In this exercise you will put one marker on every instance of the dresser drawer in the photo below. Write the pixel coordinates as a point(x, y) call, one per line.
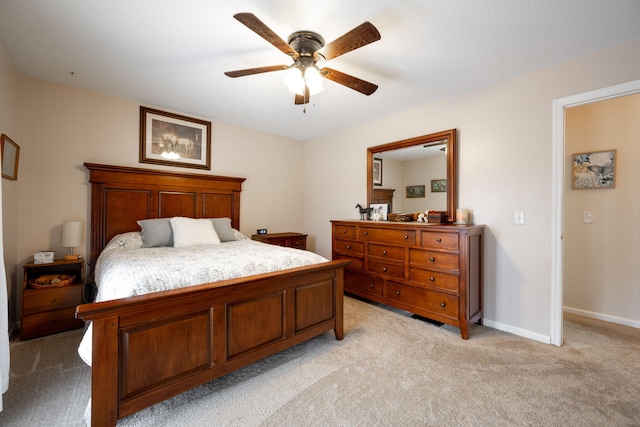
point(387, 269)
point(434, 279)
point(39, 300)
point(397, 237)
point(422, 300)
point(49, 322)
point(386, 252)
point(356, 263)
point(345, 232)
point(432, 259)
point(359, 282)
point(439, 240)
point(349, 247)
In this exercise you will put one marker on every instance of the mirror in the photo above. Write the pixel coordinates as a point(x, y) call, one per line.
point(415, 175)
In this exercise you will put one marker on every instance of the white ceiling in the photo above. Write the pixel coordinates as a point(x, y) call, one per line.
point(171, 54)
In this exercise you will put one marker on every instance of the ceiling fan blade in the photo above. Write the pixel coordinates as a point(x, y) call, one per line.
point(259, 27)
point(349, 81)
point(249, 71)
point(360, 36)
point(302, 99)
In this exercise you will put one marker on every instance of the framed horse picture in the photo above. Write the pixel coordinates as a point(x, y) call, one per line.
point(174, 140)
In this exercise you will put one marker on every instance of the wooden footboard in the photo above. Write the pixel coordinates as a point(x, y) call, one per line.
point(151, 347)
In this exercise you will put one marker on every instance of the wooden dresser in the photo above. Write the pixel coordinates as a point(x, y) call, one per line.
point(432, 270)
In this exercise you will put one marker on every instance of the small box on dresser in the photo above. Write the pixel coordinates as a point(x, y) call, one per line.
point(432, 270)
point(50, 309)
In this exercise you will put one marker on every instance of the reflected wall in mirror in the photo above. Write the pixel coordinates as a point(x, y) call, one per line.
point(414, 162)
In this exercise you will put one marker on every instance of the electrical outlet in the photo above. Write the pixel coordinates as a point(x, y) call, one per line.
point(518, 217)
point(587, 217)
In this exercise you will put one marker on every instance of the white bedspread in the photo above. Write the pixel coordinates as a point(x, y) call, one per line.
point(125, 269)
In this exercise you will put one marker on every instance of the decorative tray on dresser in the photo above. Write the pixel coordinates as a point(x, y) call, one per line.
point(432, 270)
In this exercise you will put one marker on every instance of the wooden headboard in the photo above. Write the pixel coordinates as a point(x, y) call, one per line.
point(120, 196)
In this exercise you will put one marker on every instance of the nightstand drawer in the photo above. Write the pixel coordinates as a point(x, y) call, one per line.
point(49, 322)
point(39, 300)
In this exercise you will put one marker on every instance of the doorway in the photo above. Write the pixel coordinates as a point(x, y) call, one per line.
point(558, 174)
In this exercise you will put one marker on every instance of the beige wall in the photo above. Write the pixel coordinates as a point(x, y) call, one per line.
point(10, 125)
point(601, 268)
point(505, 146)
point(62, 128)
point(421, 172)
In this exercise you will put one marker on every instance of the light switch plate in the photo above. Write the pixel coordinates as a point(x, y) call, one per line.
point(587, 217)
point(518, 217)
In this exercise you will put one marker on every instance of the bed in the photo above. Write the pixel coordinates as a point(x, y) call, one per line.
point(149, 347)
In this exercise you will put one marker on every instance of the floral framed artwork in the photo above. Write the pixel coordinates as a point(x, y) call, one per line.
point(438, 185)
point(174, 140)
point(10, 157)
point(377, 171)
point(415, 191)
point(595, 169)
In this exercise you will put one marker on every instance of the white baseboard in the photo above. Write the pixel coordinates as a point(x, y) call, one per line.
point(601, 316)
point(517, 331)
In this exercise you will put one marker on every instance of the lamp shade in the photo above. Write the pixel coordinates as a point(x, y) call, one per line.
point(71, 234)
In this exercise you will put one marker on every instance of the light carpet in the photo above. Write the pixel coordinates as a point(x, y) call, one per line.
point(390, 370)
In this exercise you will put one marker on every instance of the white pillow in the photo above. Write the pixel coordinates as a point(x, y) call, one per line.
point(193, 232)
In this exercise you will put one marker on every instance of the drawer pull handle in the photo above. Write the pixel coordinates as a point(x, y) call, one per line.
point(397, 292)
point(438, 240)
point(366, 233)
point(344, 231)
point(443, 305)
point(384, 252)
point(53, 321)
point(433, 279)
point(432, 259)
point(406, 237)
point(384, 269)
point(371, 285)
point(348, 246)
point(53, 301)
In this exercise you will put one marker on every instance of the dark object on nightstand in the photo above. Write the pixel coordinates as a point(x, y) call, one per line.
point(289, 240)
point(50, 308)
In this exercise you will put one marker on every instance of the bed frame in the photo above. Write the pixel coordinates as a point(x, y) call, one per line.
point(151, 347)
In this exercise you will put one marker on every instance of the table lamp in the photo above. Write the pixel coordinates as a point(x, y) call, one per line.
point(71, 237)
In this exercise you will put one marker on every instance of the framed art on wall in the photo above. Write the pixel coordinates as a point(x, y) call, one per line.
point(596, 169)
point(438, 185)
point(10, 157)
point(415, 191)
point(174, 140)
point(377, 171)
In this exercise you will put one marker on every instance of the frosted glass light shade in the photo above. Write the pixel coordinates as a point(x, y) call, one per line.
point(71, 234)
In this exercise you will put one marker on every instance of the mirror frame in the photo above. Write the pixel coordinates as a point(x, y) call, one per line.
point(452, 162)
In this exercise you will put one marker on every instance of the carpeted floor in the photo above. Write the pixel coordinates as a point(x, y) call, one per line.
point(389, 370)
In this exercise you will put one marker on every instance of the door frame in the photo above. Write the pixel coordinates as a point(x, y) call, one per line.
point(557, 192)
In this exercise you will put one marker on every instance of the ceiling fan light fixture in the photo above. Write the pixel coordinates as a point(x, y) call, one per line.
point(295, 78)
point(313, 79)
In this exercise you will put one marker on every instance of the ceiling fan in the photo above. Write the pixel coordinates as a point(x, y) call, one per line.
point(307, 49)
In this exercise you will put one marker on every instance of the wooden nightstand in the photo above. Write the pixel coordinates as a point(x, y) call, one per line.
point(290, 240)
point(46, 310)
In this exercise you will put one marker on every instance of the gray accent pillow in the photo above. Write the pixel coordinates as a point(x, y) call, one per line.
point(156, 233)
point(223, 229)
